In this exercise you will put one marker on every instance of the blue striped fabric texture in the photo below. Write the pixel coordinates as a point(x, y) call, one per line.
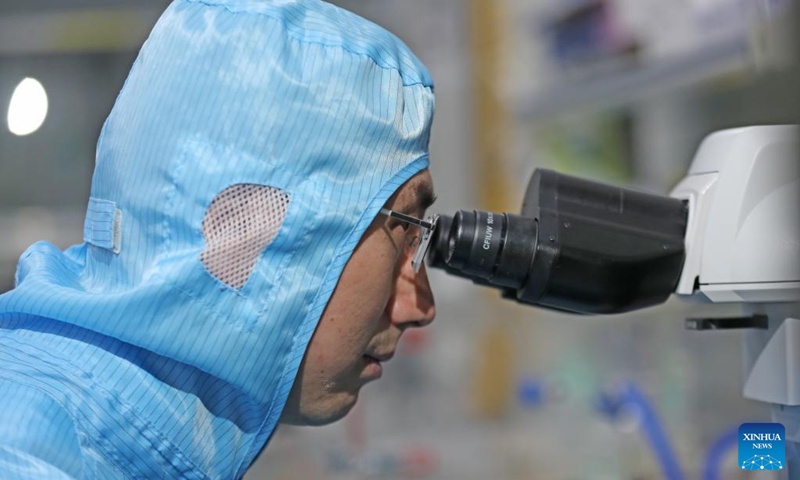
point(138, 363)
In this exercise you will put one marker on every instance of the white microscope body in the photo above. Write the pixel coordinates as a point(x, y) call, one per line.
point(743, 245)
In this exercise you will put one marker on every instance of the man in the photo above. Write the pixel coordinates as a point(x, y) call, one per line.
point(243, 261)
point(379, 295)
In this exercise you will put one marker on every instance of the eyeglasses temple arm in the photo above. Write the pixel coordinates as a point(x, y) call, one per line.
point(406, 218)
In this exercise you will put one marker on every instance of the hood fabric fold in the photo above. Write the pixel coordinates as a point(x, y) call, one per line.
point(146, 352)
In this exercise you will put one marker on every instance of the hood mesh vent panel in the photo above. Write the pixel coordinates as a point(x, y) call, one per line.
point(241, 221)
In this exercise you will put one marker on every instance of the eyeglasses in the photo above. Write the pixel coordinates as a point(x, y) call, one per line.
point(419, 244)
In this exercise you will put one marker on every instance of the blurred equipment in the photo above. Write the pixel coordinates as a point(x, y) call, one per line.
point(729, 232)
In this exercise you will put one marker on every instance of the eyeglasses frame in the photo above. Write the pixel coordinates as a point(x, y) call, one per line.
point(429, 225)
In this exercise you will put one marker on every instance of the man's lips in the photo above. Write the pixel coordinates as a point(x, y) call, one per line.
point(381, 357)
point(373, 368)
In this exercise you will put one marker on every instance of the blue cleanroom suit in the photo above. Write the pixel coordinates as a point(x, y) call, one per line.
point(149, 352)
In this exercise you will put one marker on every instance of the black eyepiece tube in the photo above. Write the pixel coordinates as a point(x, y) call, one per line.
point(493, 249)
point(579, 246)
point(440, 251)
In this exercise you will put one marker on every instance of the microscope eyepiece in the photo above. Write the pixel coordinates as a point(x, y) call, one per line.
point(579, 246)
point(493, 247)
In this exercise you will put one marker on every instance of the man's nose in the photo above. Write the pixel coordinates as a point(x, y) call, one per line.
point(412, 304)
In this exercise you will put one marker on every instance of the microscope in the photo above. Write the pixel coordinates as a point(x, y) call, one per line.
point(728, 232)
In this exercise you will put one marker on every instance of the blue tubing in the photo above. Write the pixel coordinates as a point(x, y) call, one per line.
point(716, 453)
point(631, 396)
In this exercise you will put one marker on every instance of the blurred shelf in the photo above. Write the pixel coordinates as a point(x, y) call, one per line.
point(629, 86)
point(40, 6)
point(120, 27)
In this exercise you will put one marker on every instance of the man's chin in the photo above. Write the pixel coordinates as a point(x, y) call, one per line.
point(321, 414)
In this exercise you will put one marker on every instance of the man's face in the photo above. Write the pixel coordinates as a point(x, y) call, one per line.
point(377, 298)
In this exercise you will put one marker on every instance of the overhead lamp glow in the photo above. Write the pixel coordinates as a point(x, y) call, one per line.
point(28, 107)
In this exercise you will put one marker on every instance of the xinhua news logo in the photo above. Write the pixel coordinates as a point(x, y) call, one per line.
point(762, 446)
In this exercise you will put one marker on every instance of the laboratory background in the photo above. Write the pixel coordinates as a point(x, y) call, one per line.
point(620, 91)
